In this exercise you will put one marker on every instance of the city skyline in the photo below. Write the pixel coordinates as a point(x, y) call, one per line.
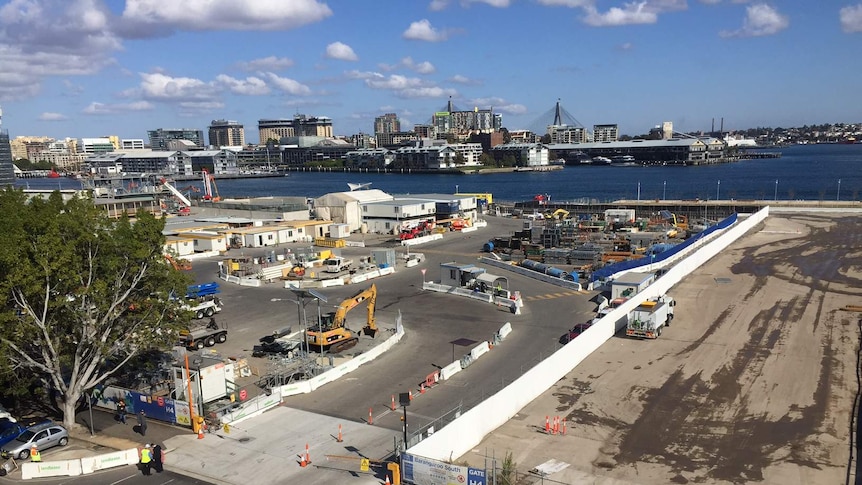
point(86, 68)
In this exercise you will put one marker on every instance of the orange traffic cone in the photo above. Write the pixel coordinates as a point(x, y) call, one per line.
point(306, 459)
point(339, 434)
point(370, 417)
point(547, 425)
point(387, 480)
point(393, 402)
point(201, 432)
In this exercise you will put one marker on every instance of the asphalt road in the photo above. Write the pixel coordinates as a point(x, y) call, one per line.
point(431, 320)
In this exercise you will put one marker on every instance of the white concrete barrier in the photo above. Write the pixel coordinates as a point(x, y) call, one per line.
point(67, 468)
point(450, 370)
point(467, 431)
point(479, 350)
point(91, 464)
point(411, 263)
point(421, 240)
point(469, 229)
point(504, 331)
point(331, 282)
point(253, 407)
point(342, 369)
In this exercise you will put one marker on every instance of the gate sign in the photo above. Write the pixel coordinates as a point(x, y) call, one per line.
point(425, 471)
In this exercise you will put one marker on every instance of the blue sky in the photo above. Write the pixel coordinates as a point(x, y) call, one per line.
point(87, 68)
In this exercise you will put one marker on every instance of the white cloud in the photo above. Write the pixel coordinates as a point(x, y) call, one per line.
point(288, 85)
point(851, 18)
point(458, 78)
point(250, 86)
point(157, 86)
point(425, 92)
point(760, 20)
point(631, 13)
point(626, 46)
point(424, 67)
point(44, 38)
point(499, 105)
point(270, 63)
point(48, 116)
point(565, 3)
point(493, 3)
point(96, 108)
point(422, 30)
point(401, 86)
point(341, 51)
point(145, 18)
point(437, 5)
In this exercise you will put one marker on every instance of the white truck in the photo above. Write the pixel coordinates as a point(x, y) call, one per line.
point(648, 319)
point(336, 264)
point(203, 308)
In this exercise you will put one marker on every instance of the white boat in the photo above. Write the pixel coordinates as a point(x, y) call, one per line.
point(624, 161)
point(601, 161)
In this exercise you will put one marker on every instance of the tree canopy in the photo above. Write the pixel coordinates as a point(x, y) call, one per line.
point(81, 293)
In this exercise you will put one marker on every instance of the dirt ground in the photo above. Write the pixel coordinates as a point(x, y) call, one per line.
point(754, 382)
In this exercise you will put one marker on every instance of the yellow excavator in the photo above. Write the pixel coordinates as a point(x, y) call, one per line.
point(331, 332)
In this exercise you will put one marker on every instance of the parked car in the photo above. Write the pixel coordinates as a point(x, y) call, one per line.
point(574, 332)
point(9, 430)
point(45, 435)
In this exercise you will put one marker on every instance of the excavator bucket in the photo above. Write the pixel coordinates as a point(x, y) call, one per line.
point(370, 331)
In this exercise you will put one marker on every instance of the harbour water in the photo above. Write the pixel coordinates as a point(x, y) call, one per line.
point(804, 172)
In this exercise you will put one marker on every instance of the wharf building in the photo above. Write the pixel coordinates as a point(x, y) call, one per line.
point(160, 139)
point(166, 163)
point(299, 125)
point(674, 151)
point(226, 133)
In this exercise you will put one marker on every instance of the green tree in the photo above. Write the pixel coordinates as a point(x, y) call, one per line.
point(83, 293)
point(459, 159)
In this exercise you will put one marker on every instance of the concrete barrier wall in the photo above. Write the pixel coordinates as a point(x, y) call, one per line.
point(531, 274)
point(343, 369)
point(82, 466)
point(469, 429)
point(253, 407)
point(421, 240)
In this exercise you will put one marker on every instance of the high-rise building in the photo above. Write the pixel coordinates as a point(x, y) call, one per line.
point(567, 134)
point(7, 170)
point(160, 137)
point(226, 133)
point(132, 144)
point(300, 125)
point(387, 123)
point(96, 145)
point(603, 133)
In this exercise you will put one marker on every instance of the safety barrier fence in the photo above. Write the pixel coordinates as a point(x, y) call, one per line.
point(303, 387)
point(571, 285)
point(514, 305)
point(470, 428)
point(80, 466)
point(341, 280)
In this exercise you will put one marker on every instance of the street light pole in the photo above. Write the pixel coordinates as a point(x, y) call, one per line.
point(639, 191)
point(838, 197)
point(776, 189)
point(664, 190)
point(717, 190)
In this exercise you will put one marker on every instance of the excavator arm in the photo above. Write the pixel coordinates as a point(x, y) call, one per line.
point(368, 295)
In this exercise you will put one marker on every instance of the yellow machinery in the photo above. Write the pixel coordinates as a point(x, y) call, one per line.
point(179, 265)
point(679, 221)
point(332, 334)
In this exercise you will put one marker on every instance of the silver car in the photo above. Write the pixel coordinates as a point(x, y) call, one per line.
point(43, 435)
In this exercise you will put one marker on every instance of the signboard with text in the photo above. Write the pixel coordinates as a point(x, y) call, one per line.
point(419, 470)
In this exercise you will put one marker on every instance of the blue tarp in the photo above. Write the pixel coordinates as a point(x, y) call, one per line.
point(613, 269)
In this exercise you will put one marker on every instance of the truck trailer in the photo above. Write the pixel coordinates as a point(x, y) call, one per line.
point(197, 337)
point(648, 319)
